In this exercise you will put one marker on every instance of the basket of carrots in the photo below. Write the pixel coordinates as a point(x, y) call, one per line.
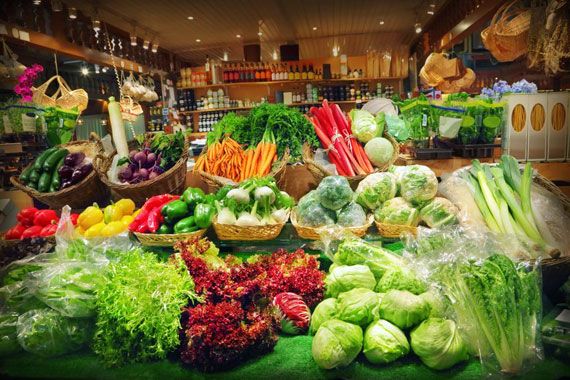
point(226, 162)
point(351, 159)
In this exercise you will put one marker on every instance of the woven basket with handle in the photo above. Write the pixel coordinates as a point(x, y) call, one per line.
point(216, 182)
point(172, 181)
point(312, 233)
point(239, 233)
point(319, 172)
point(63, 97)
point(507, 35)
point(166, 240)
point(78, 196)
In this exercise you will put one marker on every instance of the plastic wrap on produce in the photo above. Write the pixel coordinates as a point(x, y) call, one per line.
point(321, 157)
point(552, 221)
point(495, 295)
point(457, 191)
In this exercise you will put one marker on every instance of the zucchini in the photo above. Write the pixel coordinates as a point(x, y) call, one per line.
point(25, 176)
point(44, 183)
point(39, 162)
point(53, 159)
point(34, 176)
point(55, 180)
point(32, 185)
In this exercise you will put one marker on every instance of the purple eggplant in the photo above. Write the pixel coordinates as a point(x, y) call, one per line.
point(74, 159)
point(65, 172)
point(81, 172)
point(66, 184)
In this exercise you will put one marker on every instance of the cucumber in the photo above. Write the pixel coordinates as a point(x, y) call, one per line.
point(25, 176)
point(55, 180)
point(39, 162)
point(34, 176)
point(53, 159)
point(44, 183)
point(32, 185)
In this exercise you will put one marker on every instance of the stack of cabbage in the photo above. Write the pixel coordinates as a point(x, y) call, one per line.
point(378, 306)
point(331, 203)
point(406, 196)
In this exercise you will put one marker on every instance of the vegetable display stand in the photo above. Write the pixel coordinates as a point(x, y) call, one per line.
point(173, 181)
point(166, 240)
point(470, 150)
point(431, 153)
point(77, 196)
point(319, 172)
point(312, 233)
point(216, 182)
point(247, 233)
point(394, 231)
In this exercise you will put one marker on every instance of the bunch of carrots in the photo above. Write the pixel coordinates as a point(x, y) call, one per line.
point(333, 130)
point(228, 159)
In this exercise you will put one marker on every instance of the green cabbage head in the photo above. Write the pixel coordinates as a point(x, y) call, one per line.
point(351, 215)
point(439, 212)
point(315, 215)
point(418, 184)
point(376, 189)
point(384, 343)
point(355, 251)
point(346, 277)
point(334, 192)
point(308, 199)
point(323, 312)
point(336, 344)
point(438, 305)
point(364, 125)
point(359, 306)
point(401, 279)
point(397, 211)
point(438, 344)
point(404, 309)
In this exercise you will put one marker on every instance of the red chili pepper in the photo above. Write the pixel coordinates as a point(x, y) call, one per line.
point(158, 200)
point(48, 230)
point(155, 219)
point(31, 232)
point(140, 219)
point(74, 218)
point(26, 216)
point(45, 217)
point(15, 232)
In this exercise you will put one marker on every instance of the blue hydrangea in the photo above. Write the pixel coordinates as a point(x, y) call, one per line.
point(524, 87)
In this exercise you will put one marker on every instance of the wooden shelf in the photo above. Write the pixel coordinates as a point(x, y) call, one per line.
point(275, 82)
point(214, 110)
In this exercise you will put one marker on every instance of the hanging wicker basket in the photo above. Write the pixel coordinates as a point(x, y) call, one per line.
point(507, 35)
point(216, 182)
point(63, 97)
point(166, 240)
point(312, 233)
point(78, 196)
point(172, 181)
point(319, 172)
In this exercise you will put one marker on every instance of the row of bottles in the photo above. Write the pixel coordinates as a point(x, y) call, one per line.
point(264, 72)
point(353, 92)
point(207, 120)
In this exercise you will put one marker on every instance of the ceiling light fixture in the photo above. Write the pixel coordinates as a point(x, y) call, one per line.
point(104, 69)
point(133, 40)
point(190, 18)
point(146, 44)
point(225, 56)
point(275, 56)
point(381, 22)
point(72, 13)
point(96, 25)
point(37, 2)
point(155, 47)
point(97, 69)
point(259, 34)
point(238, 35)
point(418, 27)
point(198, 40)
point(84, 71)
point(314, 28)
point(56, 5)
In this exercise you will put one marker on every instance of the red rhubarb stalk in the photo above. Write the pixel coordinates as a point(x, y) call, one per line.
point(340, 162)
point(354, 145)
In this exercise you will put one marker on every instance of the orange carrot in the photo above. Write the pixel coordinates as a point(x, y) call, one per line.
point(255, 164)
point(267, 159)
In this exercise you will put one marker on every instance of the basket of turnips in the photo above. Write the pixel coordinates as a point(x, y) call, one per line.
point(354, 145)
point(64, 175)
point(156, 164)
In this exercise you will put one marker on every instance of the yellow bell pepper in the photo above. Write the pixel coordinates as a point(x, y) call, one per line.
point(89, 217)
point(127, 206)
point(112, 213)
point(127, 219)
point(79, 230)
point(94, 230)
point(112, 229)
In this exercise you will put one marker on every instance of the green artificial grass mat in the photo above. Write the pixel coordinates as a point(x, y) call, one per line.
point(291, 359)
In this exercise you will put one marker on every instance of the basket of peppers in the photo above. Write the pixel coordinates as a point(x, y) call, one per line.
point(34, 223)
point(166, 219)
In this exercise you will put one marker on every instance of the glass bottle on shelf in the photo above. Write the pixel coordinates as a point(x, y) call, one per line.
point(297, 73)
point(268, 72)
point(262, 75)
point(225, 75)
point(311, 73)
point(304, 73)
point(273, 73)
point(291, 74)
point(241, 71)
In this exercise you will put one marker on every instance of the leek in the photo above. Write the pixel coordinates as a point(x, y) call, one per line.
point(488, 194)
point(480, 201)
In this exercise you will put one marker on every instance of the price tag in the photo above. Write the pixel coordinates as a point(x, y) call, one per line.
point(140, 69)
point(424, 120)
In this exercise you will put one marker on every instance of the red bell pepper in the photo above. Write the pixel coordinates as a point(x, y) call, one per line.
point(149, 219)
point(158, 200)
point(31, 232)
point(48, 230)
point(74, 218)
point(45, 217)
point(140, 220)
point(15, 232)
point(155, 219)
point(26, 216)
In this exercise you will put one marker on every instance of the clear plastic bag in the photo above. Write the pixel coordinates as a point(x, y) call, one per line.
point(47, 333)
point(8, 334)
point(551, 219)
point(495, 298)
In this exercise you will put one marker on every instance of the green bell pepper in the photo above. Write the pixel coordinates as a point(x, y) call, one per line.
point(175, 210)
point(193, 196)
point(186, 225)
point(210, 199)
point(164, 229)
point(203, 215)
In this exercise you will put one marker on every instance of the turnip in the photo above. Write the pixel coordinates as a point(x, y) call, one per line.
point(151, 157)
point(140, 157)
point(153, 175)
point(132, 155)
point(125, 174)
point(143, 173)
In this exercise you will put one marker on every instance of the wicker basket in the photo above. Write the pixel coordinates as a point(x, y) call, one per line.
point(312, 233)
point(507, 35)
point(166, 240)
point(319, 172)
point(173, 181)
point(63, 97)
point(239, 233)
point(216, 182)
point(394, 231)
point(78, 196)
